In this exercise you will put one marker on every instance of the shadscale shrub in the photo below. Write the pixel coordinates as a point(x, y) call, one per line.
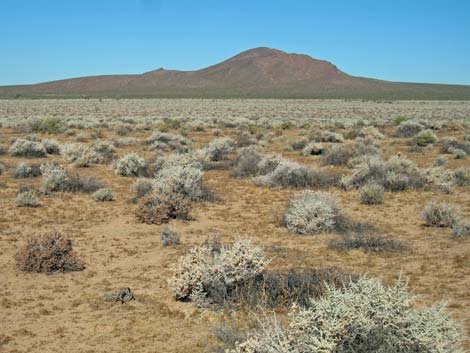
point(366, 316)
point(159, 208)
point(131, 165)
point(27, 198)
point(212, 267)
point(440, 214)
point(424, 138)
point(79, 154)
point(217, 150)
point(371, 194)
point(312, 213)
point(461, 230)
point(247, 162)
point(24, 170)
point(170, 236)
point(408, 128)
point(103, 194)
point(313, 149)
point(51, 146)
point(462, 176)
point(142, 187)
point(50, 253)
point(441, 161)
point(2, 168)
point(27, 148)
point(372, 243)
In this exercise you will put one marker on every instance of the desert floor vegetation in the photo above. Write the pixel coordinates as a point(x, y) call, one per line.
point(390, 194)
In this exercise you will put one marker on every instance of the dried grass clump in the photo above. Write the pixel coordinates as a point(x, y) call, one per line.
point(424, 138)
point(367, 243)
point(50, 253)
point(211, 268)
point(312, 213)
point(170, 237)
point(27, 148)
point(25, 170)
point(366, 316)
point(27, 198)
point(371, 194)
point(408, 128)
point(131, 165)
point(159, 208)
point(103, 194)
point(440, 214)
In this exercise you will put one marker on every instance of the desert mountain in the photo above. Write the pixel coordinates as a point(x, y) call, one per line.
point(259, 72)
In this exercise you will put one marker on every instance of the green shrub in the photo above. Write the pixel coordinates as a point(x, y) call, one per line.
point(424, 138)
point(48, 126)
point(27, 199)
point(103, 194)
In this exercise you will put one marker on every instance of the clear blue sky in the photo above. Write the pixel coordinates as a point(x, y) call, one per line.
point(399, 40)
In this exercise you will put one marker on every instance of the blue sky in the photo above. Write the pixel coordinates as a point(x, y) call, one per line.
point(398, 40)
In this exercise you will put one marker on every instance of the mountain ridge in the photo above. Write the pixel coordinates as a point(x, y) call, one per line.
point(255, 73)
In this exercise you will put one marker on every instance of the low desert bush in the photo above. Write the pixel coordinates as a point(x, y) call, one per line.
point(282, 289)
point(461, 230)
point(25, 170)
point(366, 316)
point(48, 126)
point(341, 155)
point(163, 141)
point(51, 146)
point(441, 161)
point(371, 194)
point(27, 199)
point(159, 208)
point(408, 128)
point(27, 148)
point(291, 174)
point(142, 187)
point(131, 165)
point(313, 149)
point(79, 154)
point(462, 176)
point(211, 268)
point(50, 253)
point(57, 179)
point(440, 214)
point(312, 213)
point(2, 168)
point(105, 150)
point(458, 153)
point(103, 194)
point(247, 162)
point(170, 236)
point(329, 136)
point(367, 243)
point(217, 150)
point(448, 145)
point(396, 174)
point(299, 144)
point(424, 138)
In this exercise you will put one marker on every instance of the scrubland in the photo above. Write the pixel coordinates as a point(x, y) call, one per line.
point(240, 225)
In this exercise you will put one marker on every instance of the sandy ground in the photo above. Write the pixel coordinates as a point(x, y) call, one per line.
point(66, 313)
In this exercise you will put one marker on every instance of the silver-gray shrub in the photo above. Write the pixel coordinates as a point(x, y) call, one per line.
point(25, 170)
point(217, 150)
point(211, 267)
point(371, 194)
point(54, 177)
point(462, 176)
point(51, 146)
point(27, 148)
point(440, 214)
point(27, 198)
point(164, 140)
point(312, 212)
point(131, 165)
point(103, 194)
point(170, 236)
point(409, 128)
point(365, 317)
point(79, 154)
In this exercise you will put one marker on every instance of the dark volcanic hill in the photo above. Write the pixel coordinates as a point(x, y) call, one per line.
point(260, 72)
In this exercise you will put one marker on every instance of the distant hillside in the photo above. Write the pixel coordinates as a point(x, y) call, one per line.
point(260, 72)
